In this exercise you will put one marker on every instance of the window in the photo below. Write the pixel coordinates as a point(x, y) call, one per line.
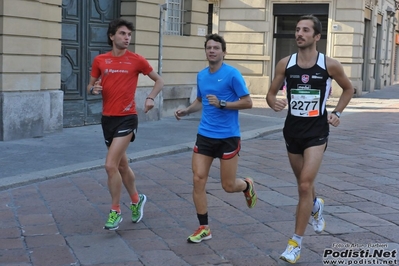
point(210, 18)
point(174, 17)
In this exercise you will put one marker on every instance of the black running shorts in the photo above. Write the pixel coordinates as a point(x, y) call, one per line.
point(299, 145)
point(217, 148)
point(118, 126)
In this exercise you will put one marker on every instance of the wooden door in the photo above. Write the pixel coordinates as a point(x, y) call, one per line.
point(84, 35)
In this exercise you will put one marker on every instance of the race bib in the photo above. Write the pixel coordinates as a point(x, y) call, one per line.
point(305, 103)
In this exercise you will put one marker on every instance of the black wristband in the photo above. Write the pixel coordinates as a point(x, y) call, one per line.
point(338, 114)
point(149, 98)
point(91, 90)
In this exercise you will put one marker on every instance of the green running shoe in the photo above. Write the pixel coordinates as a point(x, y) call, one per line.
point(250, 194)
point(114, 219)
point(202, 233)
point(138, 209)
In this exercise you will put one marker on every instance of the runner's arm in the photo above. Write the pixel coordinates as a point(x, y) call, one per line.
point(244, 102)
point(278, 80)
point(158, 85)
point(336, 71)
point(192, 108)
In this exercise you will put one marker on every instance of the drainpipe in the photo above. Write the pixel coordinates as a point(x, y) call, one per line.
point(390, 14)
point(162, 8)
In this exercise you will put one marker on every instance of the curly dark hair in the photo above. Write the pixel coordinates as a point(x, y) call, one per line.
point(115, 25)
point(217, 38)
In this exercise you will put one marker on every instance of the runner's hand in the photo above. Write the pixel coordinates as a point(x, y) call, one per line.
point(333, 120)
point(148, 105)
point(280, 104)
point(97, 88)
point(213, 100)
point(180, 113)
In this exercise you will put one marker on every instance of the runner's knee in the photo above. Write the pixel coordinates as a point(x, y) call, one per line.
point(305, 187)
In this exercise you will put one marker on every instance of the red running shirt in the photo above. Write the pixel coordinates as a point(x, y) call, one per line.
point(119, 76)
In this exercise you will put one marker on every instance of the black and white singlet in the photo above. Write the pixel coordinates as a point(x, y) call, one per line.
point(307, 94)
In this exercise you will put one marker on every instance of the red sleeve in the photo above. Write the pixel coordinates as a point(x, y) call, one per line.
point(146, 69)
point(95, 68)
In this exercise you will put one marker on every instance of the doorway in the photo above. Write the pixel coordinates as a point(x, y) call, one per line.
point(84, 35)
point(285, 19)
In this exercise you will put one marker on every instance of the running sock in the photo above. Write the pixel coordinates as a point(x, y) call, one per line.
point(316, 206)
point(297, 239)
point(202, 218)
point(135, 198)
point(245, 190)
point(116, 208)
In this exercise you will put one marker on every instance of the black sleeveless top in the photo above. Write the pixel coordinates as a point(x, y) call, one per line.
point(307, 94)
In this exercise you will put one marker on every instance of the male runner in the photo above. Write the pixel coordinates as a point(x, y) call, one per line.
point(307, 76)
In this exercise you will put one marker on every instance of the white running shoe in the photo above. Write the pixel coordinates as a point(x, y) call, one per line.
point(318, 221)
point(292, 253)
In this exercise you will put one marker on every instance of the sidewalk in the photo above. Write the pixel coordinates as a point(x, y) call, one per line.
point(82, 148)
point(59, 222)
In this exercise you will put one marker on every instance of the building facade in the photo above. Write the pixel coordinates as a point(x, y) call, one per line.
point(47, 47)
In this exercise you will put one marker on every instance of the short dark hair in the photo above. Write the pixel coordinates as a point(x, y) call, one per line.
point(115, 25)
point(217, 38)
point(316, 23)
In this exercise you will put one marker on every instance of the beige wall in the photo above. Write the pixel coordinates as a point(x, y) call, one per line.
point(346, 30)
point(245, 26)
point(31, 51)
point(30, 48)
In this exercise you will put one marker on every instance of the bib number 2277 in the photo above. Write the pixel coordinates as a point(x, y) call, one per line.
point(305, 103)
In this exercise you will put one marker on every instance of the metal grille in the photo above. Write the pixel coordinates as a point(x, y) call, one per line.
point(174, 17)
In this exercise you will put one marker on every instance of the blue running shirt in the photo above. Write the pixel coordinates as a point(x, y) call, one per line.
point(226, 84)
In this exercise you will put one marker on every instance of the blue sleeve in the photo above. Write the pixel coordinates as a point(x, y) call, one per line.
point(199, 95)
point(238, 84)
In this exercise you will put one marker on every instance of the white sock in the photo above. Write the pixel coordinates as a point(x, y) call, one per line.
point(297, 239)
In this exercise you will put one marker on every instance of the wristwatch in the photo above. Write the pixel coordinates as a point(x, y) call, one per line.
point(338, 114)
point(222, 104)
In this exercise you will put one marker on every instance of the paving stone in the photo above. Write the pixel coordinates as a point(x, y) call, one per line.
point(35, 230)
point(11, 231)
point(339, 209)
point(89, 249)
point(271, 196)
point(52, 255)
point(378, 197)
point(363, 219)
point(336, 225)
point(33, 219)
point(12, 243)
point(46, 240)
point(161, 258)
point(389, 232)
point(14, 256)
